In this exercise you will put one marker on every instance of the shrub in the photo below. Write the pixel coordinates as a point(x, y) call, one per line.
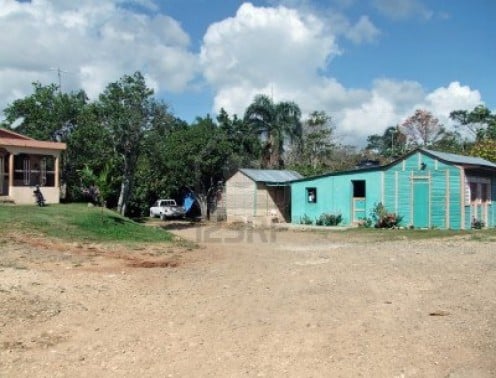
point(365, 223)
point(477, 224)
point(328, 219)
point(383, 218)
point(305, 219)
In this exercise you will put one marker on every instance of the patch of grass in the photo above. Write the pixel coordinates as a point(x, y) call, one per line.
point(487, 235)
point(78, 222)
point(416, 234)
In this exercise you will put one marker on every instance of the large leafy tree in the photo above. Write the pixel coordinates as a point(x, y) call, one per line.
point(344, 157)
point(276, 124)
point(317, 144)
point(451, 141)
point(479, 122)
point(390, 145)
point(422, 128)
point(196, 159)
point(46, 114)
point(244, 143)
point(486, 149)
point(154, 178)
point(89, 149)
point(126, 113)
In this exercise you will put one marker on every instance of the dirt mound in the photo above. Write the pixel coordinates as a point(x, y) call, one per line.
point(153, 264)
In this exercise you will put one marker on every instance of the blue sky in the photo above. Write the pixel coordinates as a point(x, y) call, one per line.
point(367, 63)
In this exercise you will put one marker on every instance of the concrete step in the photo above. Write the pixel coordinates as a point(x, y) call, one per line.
point(6, 200)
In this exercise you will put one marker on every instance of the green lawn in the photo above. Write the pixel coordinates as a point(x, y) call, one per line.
point(78, 222)
point(416, 234)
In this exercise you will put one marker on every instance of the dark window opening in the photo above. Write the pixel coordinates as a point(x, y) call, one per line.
point(312, 195)
point(358, 188)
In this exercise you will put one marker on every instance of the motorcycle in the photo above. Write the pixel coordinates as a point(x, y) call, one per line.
point(40, 200)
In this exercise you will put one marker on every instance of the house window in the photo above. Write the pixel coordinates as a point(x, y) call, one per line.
point(358, 188)
point(31, 170)
point(312, 195)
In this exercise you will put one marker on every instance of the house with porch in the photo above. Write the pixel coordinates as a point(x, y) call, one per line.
point(427, 188)
point(25, 163)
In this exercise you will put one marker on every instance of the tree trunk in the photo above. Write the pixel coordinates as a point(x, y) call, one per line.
point(123, 197)
point(203, 202)
point(125, 189)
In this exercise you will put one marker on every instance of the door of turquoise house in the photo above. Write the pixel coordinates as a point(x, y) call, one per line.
point(420, 206)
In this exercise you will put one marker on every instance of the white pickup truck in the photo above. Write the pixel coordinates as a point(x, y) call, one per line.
point(166, 208)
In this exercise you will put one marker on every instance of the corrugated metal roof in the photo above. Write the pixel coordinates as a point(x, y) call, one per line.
point(460, 159)
point(271, 175)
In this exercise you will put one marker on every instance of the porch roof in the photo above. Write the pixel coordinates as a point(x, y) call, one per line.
point(10, 142)
point(9, 138)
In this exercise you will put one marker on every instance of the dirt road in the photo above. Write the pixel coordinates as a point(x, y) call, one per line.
point(285, 303)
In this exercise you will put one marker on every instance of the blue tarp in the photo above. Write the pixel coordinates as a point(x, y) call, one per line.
point(188, 202)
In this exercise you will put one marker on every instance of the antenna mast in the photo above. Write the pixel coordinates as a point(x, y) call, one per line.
point(59, 76)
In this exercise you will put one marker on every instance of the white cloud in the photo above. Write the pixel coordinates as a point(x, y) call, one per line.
point(363, 31)
point(444, 100)
point(370, 117)
point(260, 45)
point(334, 21)
point(402, 9)
point(389, 101)
point(95, 41)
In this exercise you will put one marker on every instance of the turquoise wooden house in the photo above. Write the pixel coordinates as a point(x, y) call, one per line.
point(428, 188)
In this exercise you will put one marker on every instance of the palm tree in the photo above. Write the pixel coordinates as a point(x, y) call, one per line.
point(276, 124)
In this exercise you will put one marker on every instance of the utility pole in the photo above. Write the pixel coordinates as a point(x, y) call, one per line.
point(59, 76)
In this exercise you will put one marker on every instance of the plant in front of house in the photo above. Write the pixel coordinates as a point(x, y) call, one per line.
point(329, 219)
point(477, 224)
point(365, 223)
point(305, 219)
point(382, 218)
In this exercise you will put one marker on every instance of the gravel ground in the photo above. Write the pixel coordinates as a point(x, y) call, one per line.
point(285, 303)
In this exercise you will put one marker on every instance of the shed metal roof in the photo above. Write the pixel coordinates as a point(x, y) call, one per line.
point(460, 159)
point(271, 176)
